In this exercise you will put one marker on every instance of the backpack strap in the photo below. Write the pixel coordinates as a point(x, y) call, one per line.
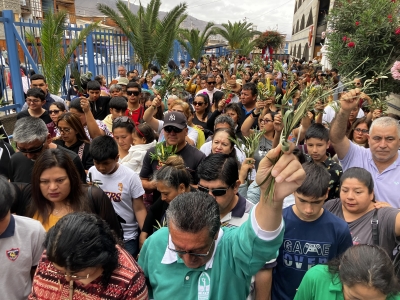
point(375, 231)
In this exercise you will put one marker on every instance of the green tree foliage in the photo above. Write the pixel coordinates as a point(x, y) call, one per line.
point(52, 56)
point(151, 38)
point(361, 29)
point(194, 41)
point(237, 34)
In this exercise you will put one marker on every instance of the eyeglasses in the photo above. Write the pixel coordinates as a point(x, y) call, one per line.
point(64, 130)
point(193, 254)
point(134, 93)
point(35, 150)
point(56, 111)
point(33, 101)
point(73, 277)
point(216, 192)
point(198, 103)
point(364, 131)
point(172, 128)
point(262, 121)
point(123, 119)
point(211, 82)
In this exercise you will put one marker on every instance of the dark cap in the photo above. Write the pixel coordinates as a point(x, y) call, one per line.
point(176, 119)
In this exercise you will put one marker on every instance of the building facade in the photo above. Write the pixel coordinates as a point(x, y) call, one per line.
point(309, 23)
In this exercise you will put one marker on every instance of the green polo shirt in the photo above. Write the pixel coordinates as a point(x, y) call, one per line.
point(318, 284)
point(239, 254)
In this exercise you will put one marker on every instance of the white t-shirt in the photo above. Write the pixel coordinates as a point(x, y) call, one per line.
point(206, 149)
point(122, 187)
point(329, 114)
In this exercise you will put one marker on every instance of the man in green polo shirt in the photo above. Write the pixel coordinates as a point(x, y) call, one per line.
point(194, 258)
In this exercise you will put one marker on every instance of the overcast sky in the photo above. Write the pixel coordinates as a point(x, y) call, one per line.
point(266, 14)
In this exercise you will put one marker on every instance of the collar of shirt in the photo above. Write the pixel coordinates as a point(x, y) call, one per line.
point(336, 287)
point(9, 232)
point(171, 257)
point(238, 211)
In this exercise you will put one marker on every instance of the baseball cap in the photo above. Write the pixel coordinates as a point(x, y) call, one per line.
point(176, 119)
point(123, 81)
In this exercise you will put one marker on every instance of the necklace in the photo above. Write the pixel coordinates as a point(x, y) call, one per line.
point(61, 210)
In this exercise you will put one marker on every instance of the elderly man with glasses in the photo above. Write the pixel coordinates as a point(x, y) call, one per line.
point(194, 258)
point(32, 138)
point(210, 87)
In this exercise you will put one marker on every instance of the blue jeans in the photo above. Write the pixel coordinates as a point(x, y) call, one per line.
point(132, 246)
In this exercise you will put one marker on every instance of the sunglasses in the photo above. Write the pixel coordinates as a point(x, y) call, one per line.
point(211, 82)
point(198, 103)
point(123, 119)
point(172, 128)
point(36, 150)
point(130, 93)
point(193, 254)
point(56, 111)
point(364, 131)
point(216, 192)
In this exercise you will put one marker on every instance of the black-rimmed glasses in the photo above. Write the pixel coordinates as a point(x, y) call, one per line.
point(193, 254)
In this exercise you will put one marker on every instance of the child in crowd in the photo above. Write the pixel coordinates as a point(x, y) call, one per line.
point(122, 186)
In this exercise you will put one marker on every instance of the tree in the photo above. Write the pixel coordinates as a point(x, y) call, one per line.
point(52, 55)
point(236, 33)
point(271, 39)
point(246, 47)
point(355, 35)
point(194, 41)
point(151, 38)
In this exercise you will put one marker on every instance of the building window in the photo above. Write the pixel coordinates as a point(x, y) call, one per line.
point(297, 26)
point(299, 52)
point(310, 19)
point(294, 50)
point(295, 7)
point(302, 24)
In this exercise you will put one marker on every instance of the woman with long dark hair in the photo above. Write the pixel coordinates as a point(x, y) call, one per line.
point(56, 191)
point(83, 260)
point(73, 137)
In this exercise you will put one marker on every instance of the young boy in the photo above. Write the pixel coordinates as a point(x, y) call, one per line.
point(312, 235)
point(122, 186)
point(317, 141)
point(99, 104)
point(118, 106)
point(35, 99)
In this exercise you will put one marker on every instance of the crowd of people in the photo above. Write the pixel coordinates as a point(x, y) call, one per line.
point(120, 193)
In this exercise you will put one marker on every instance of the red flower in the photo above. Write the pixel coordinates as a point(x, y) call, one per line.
point(397, 32)
point(390, 18)
point(351, 45)
point(394, 1)
point(357, 23)
point(344, 39)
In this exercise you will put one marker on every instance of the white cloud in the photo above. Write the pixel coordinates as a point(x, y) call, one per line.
point(266, 14)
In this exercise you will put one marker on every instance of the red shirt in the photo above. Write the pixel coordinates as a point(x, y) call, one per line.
point(136, 115)
point(126, 282)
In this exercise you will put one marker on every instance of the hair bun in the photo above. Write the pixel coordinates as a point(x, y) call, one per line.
point(175, 161)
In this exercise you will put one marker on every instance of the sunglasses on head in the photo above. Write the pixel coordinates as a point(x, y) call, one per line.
point(216, 192)
point(135, 93)
point(172, 128)
point(123, 119)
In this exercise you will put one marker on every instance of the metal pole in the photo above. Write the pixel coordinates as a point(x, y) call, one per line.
point(13, 59)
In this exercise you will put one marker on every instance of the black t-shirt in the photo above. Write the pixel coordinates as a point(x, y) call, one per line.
point(21, 167)
point(190, 155)
point(6, 151)
point(87, 159)
point(100, 108)
point(45, 117)
point(156, 214)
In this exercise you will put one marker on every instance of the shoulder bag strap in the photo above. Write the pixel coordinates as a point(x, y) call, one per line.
point(375, 229)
